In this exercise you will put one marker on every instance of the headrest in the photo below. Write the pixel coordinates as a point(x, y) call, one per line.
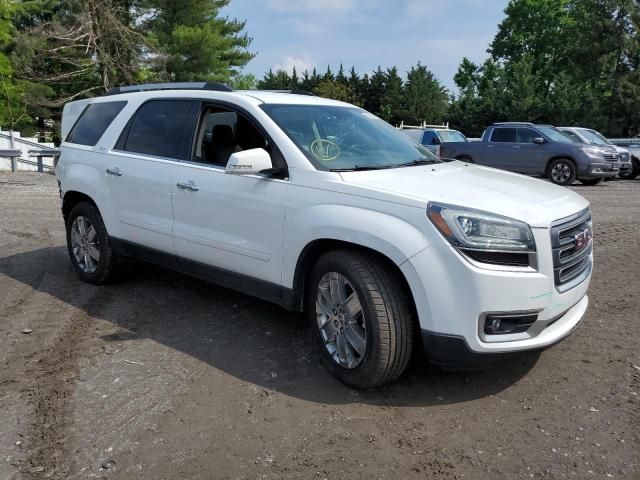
point(222, 135)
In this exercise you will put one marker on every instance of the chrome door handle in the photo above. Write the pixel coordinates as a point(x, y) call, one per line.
point(114, 171)
point(516, 146)
point(188, 186)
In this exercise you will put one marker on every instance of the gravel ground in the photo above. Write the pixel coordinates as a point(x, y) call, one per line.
point(161, 376)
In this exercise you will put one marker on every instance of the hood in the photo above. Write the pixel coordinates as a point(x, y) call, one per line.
point(534, 201)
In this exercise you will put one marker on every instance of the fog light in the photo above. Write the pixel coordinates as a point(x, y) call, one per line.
point(503, 323)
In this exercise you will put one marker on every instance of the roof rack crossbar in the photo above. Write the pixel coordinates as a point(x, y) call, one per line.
point(148, 87)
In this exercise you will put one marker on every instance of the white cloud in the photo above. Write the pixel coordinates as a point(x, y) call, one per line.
point(301, 63)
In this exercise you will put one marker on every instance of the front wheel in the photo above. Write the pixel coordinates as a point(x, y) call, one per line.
point(361, 317)
point(562, 171)
point(633, 172)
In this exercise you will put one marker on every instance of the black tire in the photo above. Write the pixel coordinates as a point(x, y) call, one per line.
point(388, 316)
point(107, 264)
point(592, 181)
point(633, 172)
point(562, 163)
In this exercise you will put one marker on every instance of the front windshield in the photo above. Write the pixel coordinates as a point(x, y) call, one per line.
point(555, 135)
point(451, 136)
point(594, 137)
point(347, 138)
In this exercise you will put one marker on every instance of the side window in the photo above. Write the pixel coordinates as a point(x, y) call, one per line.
point(162, 128)
point(223, 132)
point(503, 135)
point(93, 122)
point(572, 136)
point(526, 135)
point(428, 137)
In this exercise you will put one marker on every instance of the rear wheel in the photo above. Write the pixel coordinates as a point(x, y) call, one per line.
point(592, 181)
point(89, 246)
point(562, 171)
point(361, 317)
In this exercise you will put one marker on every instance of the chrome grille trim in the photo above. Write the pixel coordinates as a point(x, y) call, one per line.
point(570, 267)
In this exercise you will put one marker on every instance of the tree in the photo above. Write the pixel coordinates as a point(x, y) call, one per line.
point(392, 103)
point(191, 41)
point(425, 97)
point(246, 81)
point(336, 91)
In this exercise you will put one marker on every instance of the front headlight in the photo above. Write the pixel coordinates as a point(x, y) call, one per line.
point(474, 230)
point(593, 152)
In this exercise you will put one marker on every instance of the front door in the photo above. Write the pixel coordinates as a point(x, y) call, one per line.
point(230, 222)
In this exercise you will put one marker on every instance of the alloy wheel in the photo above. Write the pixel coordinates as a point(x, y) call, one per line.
point(85, 244)
point(561, 172)
point(341, 320)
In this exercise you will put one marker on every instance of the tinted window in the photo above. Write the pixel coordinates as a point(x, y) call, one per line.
point(428, 137)
point(526, 135)
point(161, 128)
point(93, 121)
point(504, 135)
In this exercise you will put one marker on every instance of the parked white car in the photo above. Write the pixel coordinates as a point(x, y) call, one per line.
point(321, 207)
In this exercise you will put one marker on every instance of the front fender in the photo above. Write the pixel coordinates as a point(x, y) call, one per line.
point(385, 233)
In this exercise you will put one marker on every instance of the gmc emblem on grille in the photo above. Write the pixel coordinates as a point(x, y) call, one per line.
point(581, 239)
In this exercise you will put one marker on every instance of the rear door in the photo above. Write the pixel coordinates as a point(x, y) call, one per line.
point(500, 148)
point(231, 222)
point(528, 156)
point(141, 167)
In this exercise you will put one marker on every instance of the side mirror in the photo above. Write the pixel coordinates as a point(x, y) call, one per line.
point(539, 140)
point(249, 162)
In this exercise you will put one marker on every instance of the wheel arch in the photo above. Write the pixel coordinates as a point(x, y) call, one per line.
point(73, 198)
point(315, 249)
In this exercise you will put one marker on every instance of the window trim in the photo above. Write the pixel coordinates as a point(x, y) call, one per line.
point(503, 128)
point(84, 110)
point(238, 110)
point(183, 136)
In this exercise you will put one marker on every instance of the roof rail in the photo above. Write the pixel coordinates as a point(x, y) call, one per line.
point(147, 87)
point(513, 123)
point(295, 91)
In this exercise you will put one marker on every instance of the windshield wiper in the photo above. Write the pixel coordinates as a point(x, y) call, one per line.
point(359, 168)
point(420, 161)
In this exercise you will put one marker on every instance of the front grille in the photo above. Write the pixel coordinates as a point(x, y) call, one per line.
point(571, 264)
point(610, 155)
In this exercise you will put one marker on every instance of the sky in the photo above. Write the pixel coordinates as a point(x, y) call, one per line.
point(367, 33)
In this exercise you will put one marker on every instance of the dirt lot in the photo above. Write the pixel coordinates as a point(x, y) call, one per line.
point(164, 377)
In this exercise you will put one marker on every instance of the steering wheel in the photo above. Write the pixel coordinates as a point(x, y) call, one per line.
point(325, 150)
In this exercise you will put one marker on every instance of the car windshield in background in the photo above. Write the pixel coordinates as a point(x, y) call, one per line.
point(347, 138)
point(594, 137)
point(556, 135)
point(452, 136)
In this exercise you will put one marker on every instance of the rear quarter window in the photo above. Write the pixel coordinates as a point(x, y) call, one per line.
point(93, 122)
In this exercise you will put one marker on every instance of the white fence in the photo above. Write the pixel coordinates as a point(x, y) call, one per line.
point(24, 145)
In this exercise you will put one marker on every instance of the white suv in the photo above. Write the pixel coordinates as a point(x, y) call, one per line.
point(321, 207)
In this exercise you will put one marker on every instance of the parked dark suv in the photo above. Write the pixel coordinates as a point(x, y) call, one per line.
point(538, 150)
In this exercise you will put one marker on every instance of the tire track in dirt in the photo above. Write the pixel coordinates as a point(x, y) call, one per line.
point(51, 393)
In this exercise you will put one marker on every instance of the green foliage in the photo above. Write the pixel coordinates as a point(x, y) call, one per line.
point(192, 42)
point(566, 62)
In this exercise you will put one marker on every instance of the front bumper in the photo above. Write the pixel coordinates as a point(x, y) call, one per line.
point(453, 296)
point(602, 170)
